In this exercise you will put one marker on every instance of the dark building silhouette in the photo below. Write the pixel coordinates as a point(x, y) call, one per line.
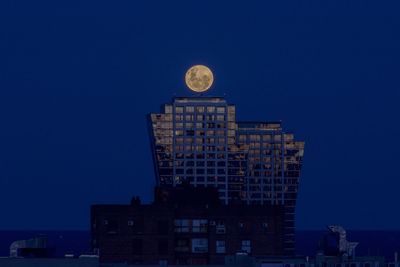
point(185, 225)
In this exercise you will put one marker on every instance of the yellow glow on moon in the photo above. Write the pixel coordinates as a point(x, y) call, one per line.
point(199, 78)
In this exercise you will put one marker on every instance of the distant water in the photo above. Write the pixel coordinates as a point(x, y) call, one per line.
point(379, 243)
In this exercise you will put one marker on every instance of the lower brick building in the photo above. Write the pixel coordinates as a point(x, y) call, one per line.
point(185, 225)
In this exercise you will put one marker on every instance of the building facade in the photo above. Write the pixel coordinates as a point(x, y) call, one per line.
point(197, 140)
point(185, 225)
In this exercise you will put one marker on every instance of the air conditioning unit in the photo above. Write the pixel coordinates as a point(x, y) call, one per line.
point(212, 223)
point(220, 230)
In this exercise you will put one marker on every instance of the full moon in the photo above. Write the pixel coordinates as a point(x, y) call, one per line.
point(199, 78)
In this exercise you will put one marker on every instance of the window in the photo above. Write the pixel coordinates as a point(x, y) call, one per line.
point(199, 226)
point(168, 109)
point(220, 246)
point(178, 109)
point(220, 109)
point(199, 245)
point(189, 109)
point(220, 118)
point(181, 226)
point(200, 179)
point(200, 109)
point(246, 246)
point(220, 228)
point(200, 163)
point(182, 245)
point(190, 132)
point(199, 171)
point(211, 109)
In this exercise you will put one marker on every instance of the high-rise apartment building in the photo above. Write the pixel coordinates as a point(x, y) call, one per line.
point(194, 141)
point(197, 141)
point(223, 187)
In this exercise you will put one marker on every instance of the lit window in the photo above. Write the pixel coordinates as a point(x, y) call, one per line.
point(211, 109)
point(179, 117)
point(168, 109)
point(199, 245)
point(246, 246)
point(200, 109)
point(178, 109)
point(220, 109)
point(189, 109)
point(220, 246)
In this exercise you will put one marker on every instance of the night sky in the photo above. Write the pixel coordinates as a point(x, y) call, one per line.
point(77, 79)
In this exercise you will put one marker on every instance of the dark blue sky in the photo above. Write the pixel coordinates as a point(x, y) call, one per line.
point(78, 77)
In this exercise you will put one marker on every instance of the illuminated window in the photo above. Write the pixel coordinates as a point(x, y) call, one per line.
point(220, 109)
point(189, 109)
point(220, 246)
point(246, 246)
point(189, 117)
point(210, 109)
point(199, 245)
point(220, 117)
point(277, 138)
point(179, 117)
point(168, 109)
point(199, 109)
